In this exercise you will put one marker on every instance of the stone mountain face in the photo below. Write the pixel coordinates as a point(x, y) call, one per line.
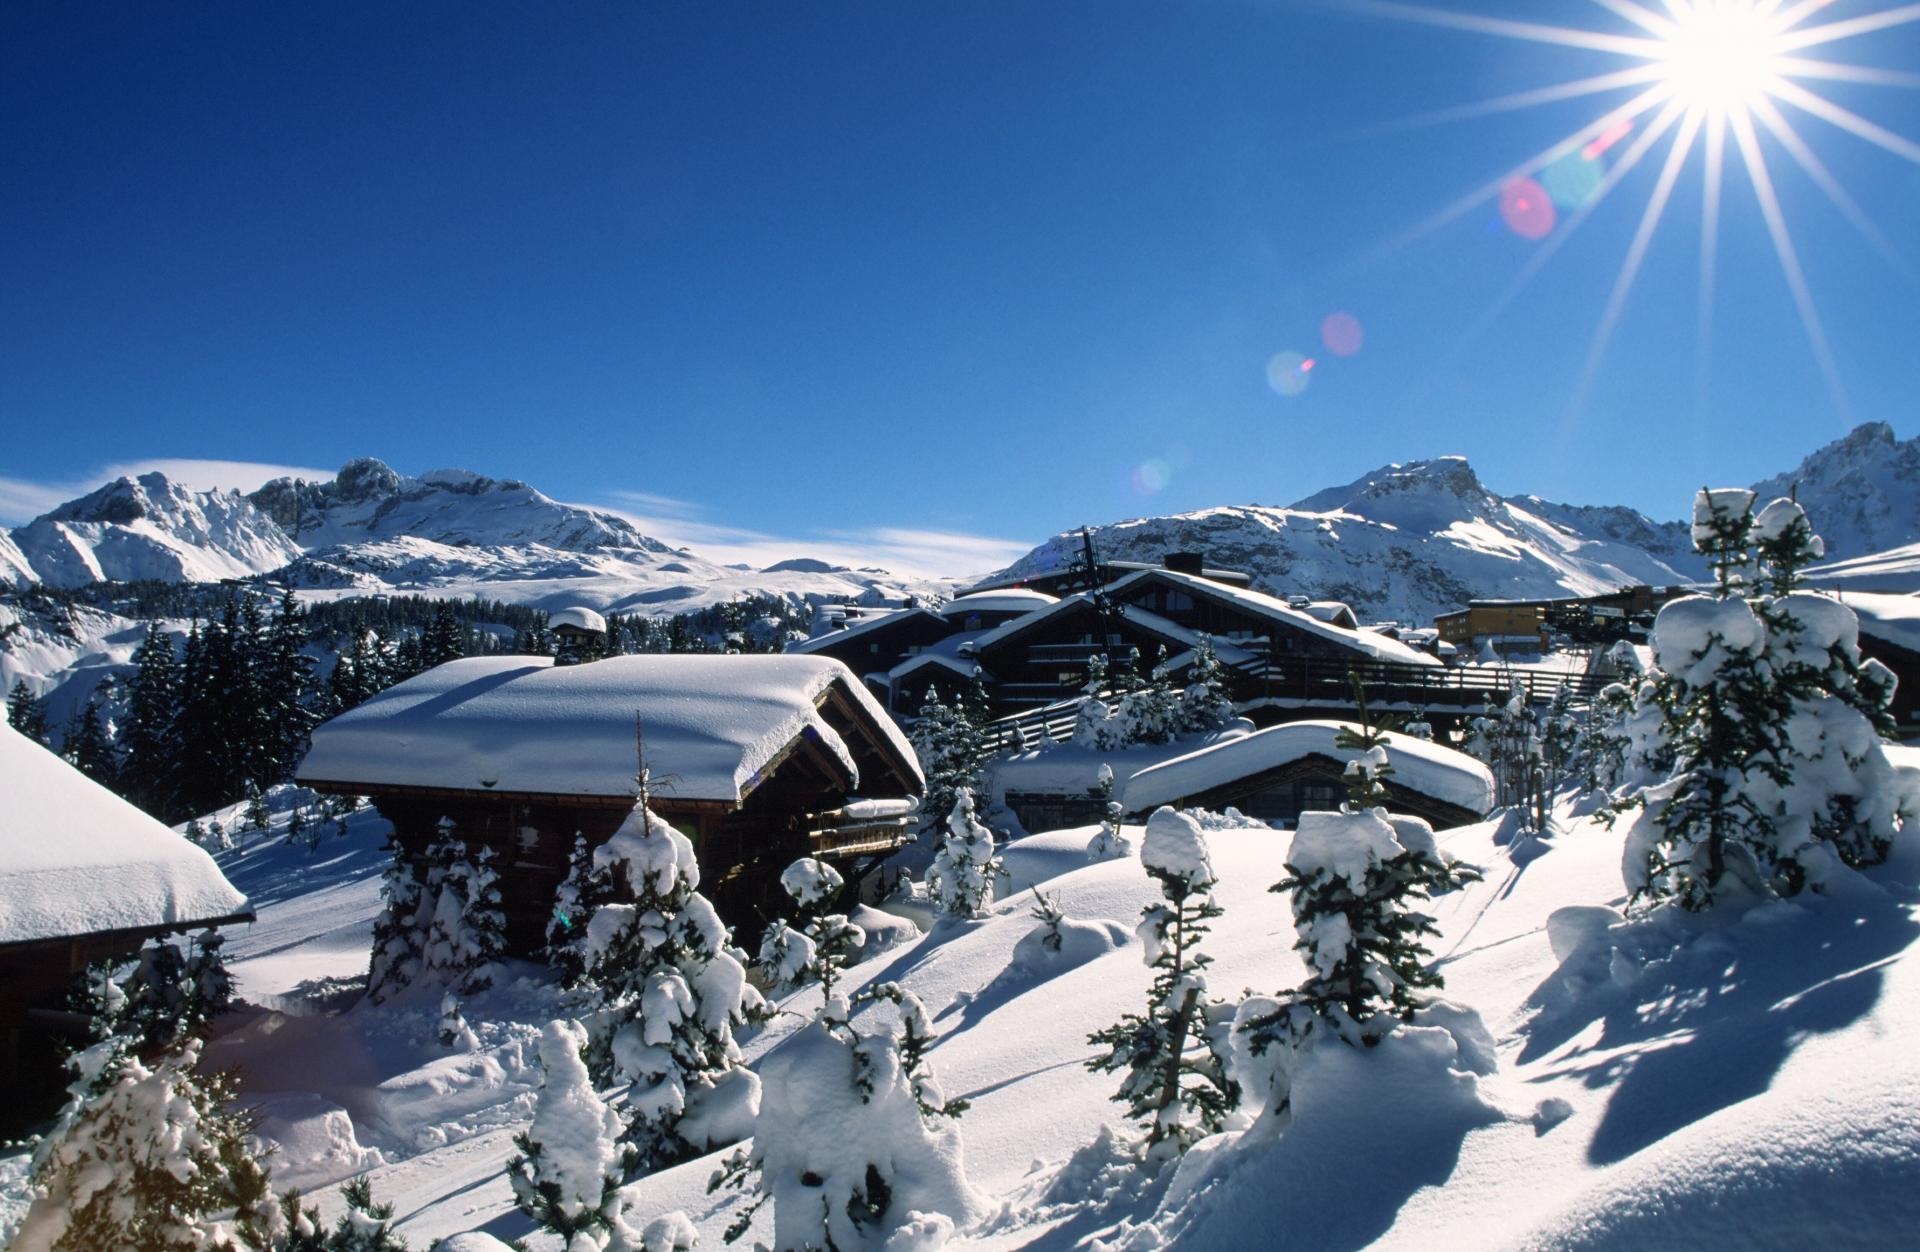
point(1861, 492)
point(150, 527)
point(368, 501)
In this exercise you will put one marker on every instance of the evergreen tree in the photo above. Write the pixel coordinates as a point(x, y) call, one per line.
point(287, 690)
point(574, 901)
point(90, 748)
point(364, 1226)
point(826, 943)
point(147, 1154)
point(444, 639)
point(27, 713)
point(1172, 1055)
point(148, 738)
point(965, 867)
point(952, 749)
point(399, 948)
point(1767, 719)
point(571, 1163)
point(164, 997)
point(1109, 844)
point(667, 993)
point(1206, 704)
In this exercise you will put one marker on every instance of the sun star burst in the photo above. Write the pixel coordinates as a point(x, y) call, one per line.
point(1713, 76)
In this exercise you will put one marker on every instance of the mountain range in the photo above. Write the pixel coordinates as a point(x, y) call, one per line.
point(1403, 543)
point(1412, 540)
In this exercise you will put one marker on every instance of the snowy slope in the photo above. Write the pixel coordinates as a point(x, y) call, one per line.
point(1403, 543)
point(1673, 1082)
point(151, 527)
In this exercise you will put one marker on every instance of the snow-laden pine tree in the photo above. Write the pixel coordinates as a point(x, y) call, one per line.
point(1173, 1055)
point(167, 995)
point(1206, 704)
point(467, 932)
point(366, 1226)
point(1356, 878)
point(574, 901)
point(952, 749)
point(964, 868)
point(399, 948)
point(1108, 844)
point(1766, 721)
point(147, 1155)
point(666, 995)
point(823, 945)
point(571, 1163)
point(856, 1146)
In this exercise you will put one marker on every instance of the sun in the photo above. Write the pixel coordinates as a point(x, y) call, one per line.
point(1719, 83)
point(1723, 55)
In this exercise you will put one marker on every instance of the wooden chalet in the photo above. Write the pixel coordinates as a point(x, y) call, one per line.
point(1154, 613)
point(757, 759)
point(1283, 771)
point(85, 877)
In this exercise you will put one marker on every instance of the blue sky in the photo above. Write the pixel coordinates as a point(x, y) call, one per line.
point(872, 274)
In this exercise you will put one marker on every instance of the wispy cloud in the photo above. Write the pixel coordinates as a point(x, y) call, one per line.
point(898, 550)
point(23, 499)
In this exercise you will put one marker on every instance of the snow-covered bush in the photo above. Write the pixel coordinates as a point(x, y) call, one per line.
point(1172, 1055)
point(453, 1030)
point(365, 1226)
point(962, 875)
point(146, 1155)
point(856, 1146)
point(666, 995)
point(1108, 844)
point(1761, 757)
point(571, 1163)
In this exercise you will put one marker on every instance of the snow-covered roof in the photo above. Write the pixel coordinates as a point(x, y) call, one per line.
point(861, 627)
point(1379, 647)
point(965, 666)
point(1007, 600)
point(1893, 618)
point(521, 724)
point(1418, 765)
point(580, 618)
point(75, 859)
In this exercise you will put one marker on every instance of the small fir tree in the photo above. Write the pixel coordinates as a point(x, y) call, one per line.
point(826, 942)
point(952, 749)
point(399, 948)
point(667, 993)
point(574, 901)
point(1206, 704)
point(1172, 1056)
point(965, 867)
point(571, 1164)
point(147, 1154)
point(1108, 844)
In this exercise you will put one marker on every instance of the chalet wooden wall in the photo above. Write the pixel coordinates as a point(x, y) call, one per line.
point(35, 979)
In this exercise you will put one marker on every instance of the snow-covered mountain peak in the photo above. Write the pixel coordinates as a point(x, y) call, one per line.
point(1861, 491)
point(369, 501)
point(151, 528)
point(1424, 495)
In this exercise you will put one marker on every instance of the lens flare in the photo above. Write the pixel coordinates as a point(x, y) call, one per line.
point(1527, 209)
point(1151, 476)
point(1288, 373)
point(1342, 334)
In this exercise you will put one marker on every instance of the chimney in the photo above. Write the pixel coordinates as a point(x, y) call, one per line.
point(1185, 562)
